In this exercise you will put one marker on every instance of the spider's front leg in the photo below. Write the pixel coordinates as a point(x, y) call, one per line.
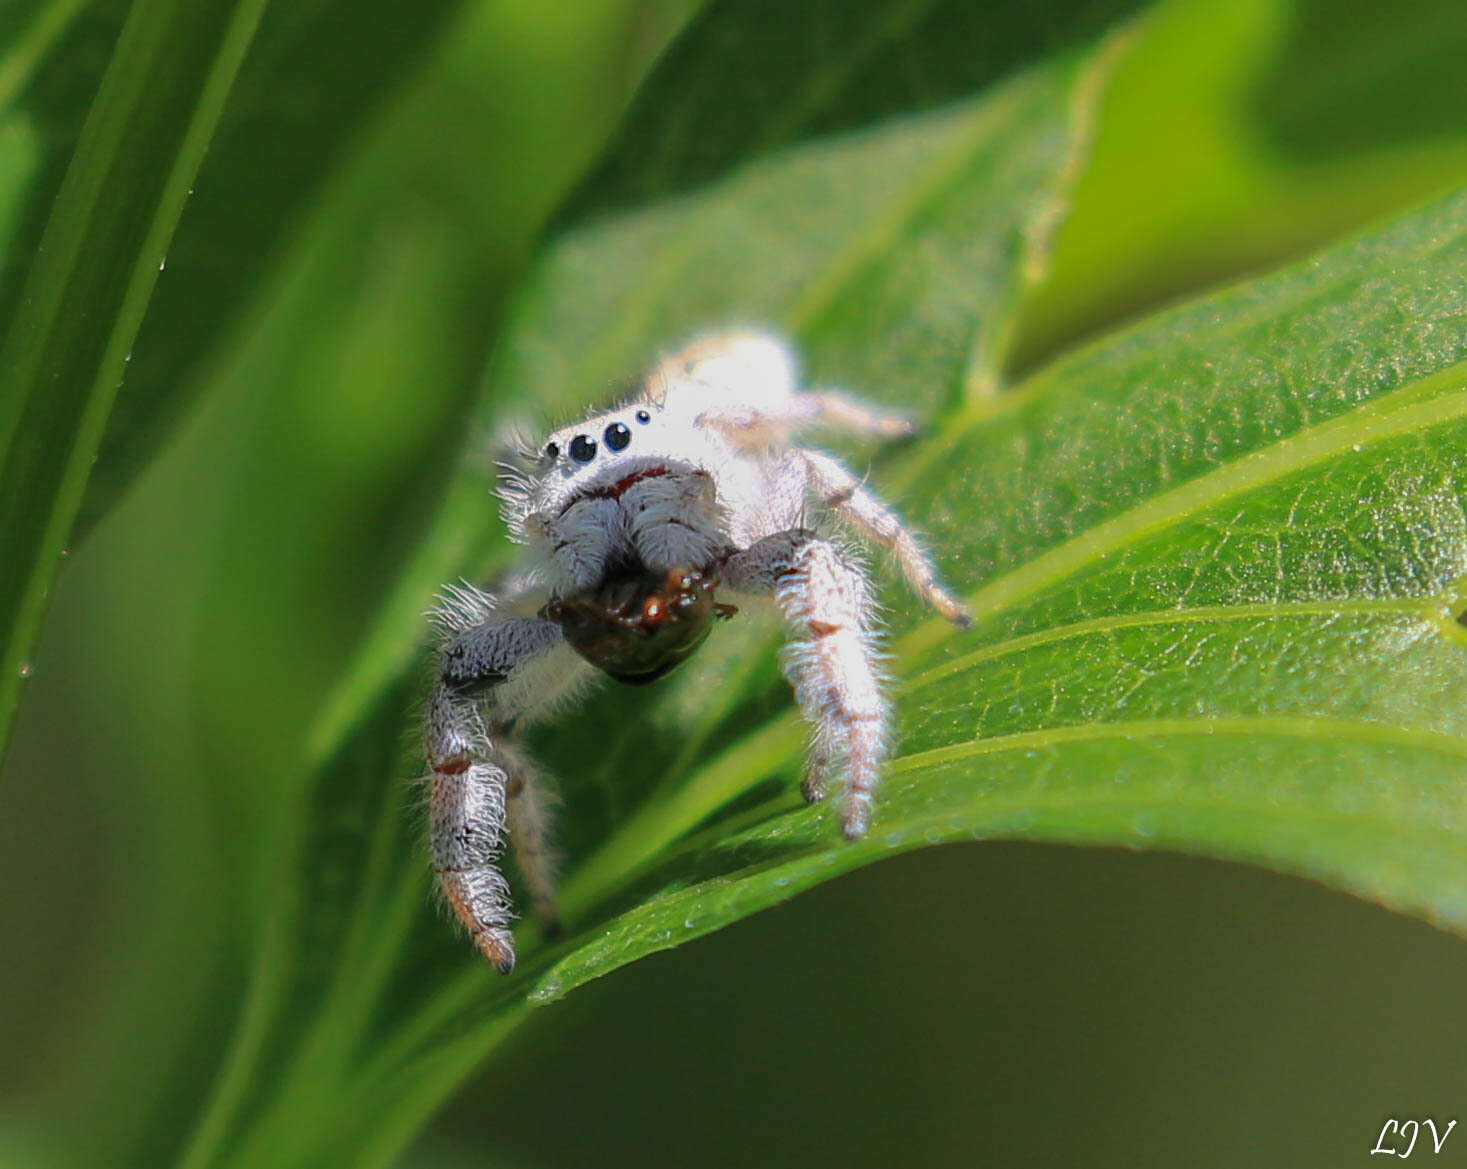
point(843, 493)
point(490, 672)
point(831, 660)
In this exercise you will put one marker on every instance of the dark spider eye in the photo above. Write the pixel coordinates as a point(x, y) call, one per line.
point(583, 449)
point(617, 436)
point(552, 450)
point(643, 417)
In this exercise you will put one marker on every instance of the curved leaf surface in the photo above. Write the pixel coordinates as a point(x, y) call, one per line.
point(83, 301)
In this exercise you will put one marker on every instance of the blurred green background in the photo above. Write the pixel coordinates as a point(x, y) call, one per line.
point(309, 373)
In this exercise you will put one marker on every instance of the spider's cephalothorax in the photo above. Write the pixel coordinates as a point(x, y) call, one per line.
point(635, 518)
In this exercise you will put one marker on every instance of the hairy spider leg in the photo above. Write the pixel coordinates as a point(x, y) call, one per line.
point(831, 660)
point(493, 672)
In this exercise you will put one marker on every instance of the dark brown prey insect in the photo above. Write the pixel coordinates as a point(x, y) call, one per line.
point(637, 626)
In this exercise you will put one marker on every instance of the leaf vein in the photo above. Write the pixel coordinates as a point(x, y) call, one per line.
point(1331, 729)
point(1364, 606)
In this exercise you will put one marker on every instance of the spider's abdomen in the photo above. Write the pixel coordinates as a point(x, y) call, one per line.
point(637, 626)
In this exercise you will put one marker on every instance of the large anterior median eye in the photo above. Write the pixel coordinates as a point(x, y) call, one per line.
point(582, 449)
point(617, 436)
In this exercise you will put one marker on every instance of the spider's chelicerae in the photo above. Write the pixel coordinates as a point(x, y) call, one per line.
point(635, 518)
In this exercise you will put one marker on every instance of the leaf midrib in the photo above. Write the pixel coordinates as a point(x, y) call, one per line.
point(1269, 726)
point(778, 741)
point(1202, 726)
point(1420, 608)
point(1247, 307)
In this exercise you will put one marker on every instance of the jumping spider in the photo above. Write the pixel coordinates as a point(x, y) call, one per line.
point(635, 518)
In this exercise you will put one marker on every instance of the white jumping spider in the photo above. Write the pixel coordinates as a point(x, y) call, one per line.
point(635, 518)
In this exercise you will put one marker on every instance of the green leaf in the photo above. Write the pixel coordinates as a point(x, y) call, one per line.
point(52, 56)
point(1287, 124)
point(104, 244)
point(293, 119)
point(301, 502)
point(922, 233)
point(752, 76)
point(291, 115)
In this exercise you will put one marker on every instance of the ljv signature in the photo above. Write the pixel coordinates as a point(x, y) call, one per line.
point(1396, 1133)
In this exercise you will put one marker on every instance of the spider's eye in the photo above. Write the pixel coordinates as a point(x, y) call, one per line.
point(617, 436)
point(552, 450)
point(583, 449)
point(643, 417)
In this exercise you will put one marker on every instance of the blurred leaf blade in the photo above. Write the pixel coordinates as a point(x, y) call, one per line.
point(950, 209)
point(22, 54)
point(307, 114)
point(68, 343)
point(824, 68)
point(380, 313)
point(1289, 123)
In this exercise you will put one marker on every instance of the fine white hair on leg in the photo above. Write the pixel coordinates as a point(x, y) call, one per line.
point(529, 830)
point(489, 675)
point(842, 492)
point(468, 827)
point(831, 661)
point(771, 424)
point(840, 412)
point(466, 822)
point(461, 607)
